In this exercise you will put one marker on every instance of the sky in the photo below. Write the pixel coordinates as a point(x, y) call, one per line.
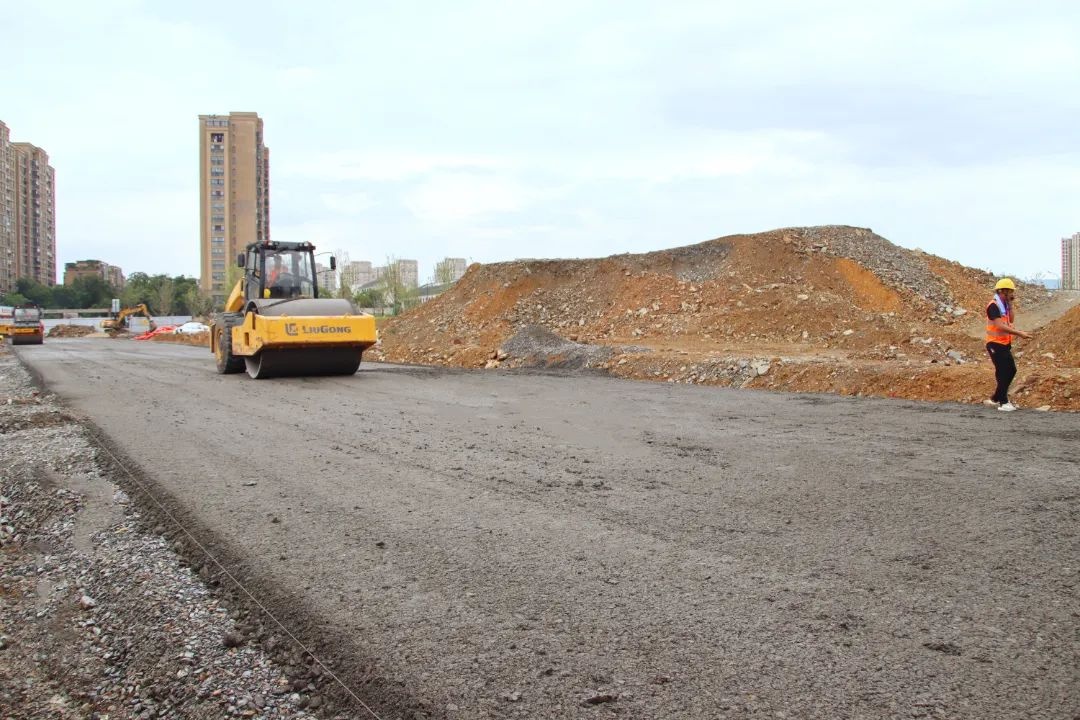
point(495, 130)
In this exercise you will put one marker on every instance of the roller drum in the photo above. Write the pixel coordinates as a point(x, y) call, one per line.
point(295, 362)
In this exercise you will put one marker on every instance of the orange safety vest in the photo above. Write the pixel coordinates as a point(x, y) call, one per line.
point(993, 334)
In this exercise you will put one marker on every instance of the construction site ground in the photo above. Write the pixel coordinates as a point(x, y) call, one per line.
point(523, 543)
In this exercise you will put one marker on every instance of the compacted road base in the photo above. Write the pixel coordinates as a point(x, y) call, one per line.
point(508, 545)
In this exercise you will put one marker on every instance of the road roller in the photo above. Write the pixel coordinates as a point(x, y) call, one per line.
point(275, 324)
point(26, 325)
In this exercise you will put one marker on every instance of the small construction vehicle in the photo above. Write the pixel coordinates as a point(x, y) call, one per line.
point(275, 324)
point(26, 325)
point(118, 324)
point(6, 312)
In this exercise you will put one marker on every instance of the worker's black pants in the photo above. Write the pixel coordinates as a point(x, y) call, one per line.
point(1004, 370)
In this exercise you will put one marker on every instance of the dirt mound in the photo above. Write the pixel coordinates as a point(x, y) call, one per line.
point(69, 331)
point(199, 339)
point(1060, 338)
point(819, 296)
point(536, 346)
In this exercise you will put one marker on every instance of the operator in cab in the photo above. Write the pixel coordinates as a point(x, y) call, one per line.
point(280, 280)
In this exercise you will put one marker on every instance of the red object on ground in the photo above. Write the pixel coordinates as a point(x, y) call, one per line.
point(155, 331)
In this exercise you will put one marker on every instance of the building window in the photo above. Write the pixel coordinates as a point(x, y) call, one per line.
point(217, 239)
point(217, 228)
point(217, 171)
point(217, 193)
point(217, 250)
point(218, 219)
point(218, 276)
point(217, 181)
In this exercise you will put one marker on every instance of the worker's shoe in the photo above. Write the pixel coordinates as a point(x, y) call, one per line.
point(991, 403)
point(1007, 407)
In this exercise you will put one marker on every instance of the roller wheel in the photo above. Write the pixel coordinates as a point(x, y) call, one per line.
point(301, 362)
point(227, 362)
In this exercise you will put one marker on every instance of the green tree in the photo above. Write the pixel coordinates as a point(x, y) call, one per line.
point(395, 292)
point(13, 298)
point(198, 303)
point(444, 272)
point(370, 298)
point(34, 291)
point(164, 295)
point(86, 291)
point(67, 297)
point(137, 289)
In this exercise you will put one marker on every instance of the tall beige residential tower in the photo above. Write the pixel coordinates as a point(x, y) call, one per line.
point(8, 246)
point(27, 213)
point(234, 193)
point(1070, 262)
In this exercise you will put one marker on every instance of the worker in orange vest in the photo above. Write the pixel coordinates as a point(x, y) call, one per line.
point(999, 334)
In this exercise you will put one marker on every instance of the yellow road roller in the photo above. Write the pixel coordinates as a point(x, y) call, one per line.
point(275, 324)
point(26, 325)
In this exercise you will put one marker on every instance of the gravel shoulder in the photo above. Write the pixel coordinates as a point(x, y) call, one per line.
point(100, 615)
point(521, 545)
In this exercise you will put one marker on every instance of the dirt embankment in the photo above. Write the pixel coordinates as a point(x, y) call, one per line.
point(825, 309)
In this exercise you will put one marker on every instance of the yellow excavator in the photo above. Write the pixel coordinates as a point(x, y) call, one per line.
point(120, 322)
point(275, 324)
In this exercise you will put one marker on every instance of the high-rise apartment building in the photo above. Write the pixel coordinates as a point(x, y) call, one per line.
point(1070, 262)
point(234, 193)
point(27, 213)
point(8, 246)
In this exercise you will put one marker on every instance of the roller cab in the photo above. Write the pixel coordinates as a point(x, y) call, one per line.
point(275, 324)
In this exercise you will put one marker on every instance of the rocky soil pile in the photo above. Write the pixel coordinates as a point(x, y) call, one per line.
point(834, 309)
point(99, 617)
point(198, 339)
point(67, 331)
point(1061, 339)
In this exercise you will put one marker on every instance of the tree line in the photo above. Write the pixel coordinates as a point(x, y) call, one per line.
point(164, 295)
point(181, 295)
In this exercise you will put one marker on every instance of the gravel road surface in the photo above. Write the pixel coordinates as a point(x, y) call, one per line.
point(512, 545)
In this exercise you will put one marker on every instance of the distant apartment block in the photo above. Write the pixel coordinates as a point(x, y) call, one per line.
point(327, 279)
point(27, 213)
point(234, 193)
point(409, 273)
point(111, 274)
point(449, 270)
point(1070, 262)
point(357, 273)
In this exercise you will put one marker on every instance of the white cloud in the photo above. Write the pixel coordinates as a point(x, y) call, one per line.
point(454, 198)
point(379, 165)
point(348, 203)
